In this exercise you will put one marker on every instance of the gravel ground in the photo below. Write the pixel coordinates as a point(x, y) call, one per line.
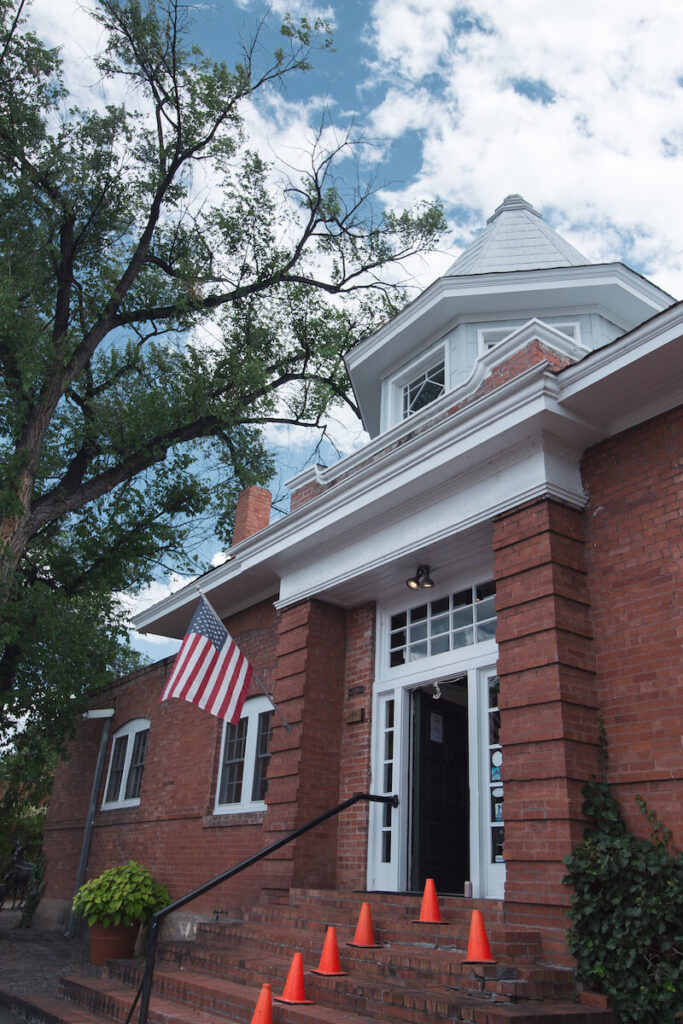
point(31, 962)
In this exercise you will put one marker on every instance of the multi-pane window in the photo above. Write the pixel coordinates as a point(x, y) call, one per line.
point(232, 767)
point(244, 759)
point(423, 388)
point(258, 789)
point(137, 764)
point(126, 765)
point(387, 776)
point(447, 624)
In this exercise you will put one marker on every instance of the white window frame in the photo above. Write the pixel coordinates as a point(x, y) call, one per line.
point(129, 731)
point(490, 336)
point(406, 374)
point(252, 709)
point(477, 661)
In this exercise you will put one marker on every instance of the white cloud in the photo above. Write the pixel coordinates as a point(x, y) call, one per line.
point(606, 155)
point(297, 8)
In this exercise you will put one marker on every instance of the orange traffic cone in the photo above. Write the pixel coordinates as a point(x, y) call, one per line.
point(294, 986)
point(364, 936)
point(429, 911)
point(478, 949)
point(263, 1014)
point(329, 960)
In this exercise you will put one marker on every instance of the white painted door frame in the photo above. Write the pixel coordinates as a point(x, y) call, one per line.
point(389, 830)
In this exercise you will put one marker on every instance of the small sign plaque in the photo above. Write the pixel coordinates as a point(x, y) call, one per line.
point(354, 715)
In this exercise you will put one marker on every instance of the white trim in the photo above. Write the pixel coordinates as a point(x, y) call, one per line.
point(253, 708)
point(397, 683)
point(130, 731)
point(537, 404)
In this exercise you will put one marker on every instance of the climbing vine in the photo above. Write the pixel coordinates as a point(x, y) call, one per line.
point(627, 910)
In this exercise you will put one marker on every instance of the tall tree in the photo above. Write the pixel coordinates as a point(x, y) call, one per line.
point(146, 323)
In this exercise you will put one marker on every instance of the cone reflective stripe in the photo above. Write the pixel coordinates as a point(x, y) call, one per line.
point(364, 936)
point(263, 1014)
point(294, 986)
point(478, 949)
point(329, 960)
point(429, 911)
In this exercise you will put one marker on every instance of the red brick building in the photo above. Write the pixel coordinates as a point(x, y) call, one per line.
point(523, 477)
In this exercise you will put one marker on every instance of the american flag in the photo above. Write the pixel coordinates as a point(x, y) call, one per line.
point(209, 669)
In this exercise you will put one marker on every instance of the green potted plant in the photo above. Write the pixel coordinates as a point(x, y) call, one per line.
point(115, 904)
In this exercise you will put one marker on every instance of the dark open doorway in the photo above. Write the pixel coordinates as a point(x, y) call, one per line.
point(440, 788)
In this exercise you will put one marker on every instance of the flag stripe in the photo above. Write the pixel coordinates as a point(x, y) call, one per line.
point(182, 657)
point(186, 669)
point(222, 685)
point(196, 672)
point(210, 670)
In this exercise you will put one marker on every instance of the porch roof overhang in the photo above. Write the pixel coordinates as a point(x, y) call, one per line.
point(427, 490)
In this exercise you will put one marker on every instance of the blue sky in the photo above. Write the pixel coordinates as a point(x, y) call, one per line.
point(577, 106)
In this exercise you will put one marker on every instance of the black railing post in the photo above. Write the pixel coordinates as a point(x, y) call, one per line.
point(145, 990)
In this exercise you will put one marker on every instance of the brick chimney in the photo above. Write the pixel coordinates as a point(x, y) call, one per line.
point(252, 513)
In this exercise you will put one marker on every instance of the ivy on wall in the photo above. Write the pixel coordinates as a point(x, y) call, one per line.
point(627, 910)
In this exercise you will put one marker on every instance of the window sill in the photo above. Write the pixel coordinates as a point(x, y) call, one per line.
point(223, 819)
point(124, 805)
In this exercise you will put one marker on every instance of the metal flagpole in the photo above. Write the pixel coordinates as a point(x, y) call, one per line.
point(276, 709)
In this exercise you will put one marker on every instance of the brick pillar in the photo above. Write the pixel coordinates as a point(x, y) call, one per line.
point(252, 513)
point(304, 770)
point(355, 745)
point(548, 700)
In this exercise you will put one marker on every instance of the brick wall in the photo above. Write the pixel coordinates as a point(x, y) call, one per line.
point(252, 512)
point(305, 494)
point(355, 745)
point(548, 706)
point(589, 621)
point(173, 831)
point(304, 766)
point(635, 563)
point(515, 364)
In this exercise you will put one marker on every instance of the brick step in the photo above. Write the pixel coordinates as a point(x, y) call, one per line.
point(414, 965)
point(383, 917)
point(114, 1002)
point(398, 1003)
point(386, 999)
point(506, 943)
point(370, 968)
point(398, 899)
point(401, 905)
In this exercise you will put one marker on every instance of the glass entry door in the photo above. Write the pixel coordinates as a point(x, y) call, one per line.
point(440, 836)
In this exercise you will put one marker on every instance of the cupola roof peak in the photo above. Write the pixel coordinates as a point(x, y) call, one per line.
point(516, 238)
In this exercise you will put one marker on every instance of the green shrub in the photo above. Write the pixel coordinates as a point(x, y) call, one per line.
point(120, 896)
point(627, 912)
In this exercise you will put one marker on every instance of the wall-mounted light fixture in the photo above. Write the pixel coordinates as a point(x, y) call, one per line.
point(421, 579)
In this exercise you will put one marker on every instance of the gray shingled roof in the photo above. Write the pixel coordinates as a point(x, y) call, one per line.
point(516, 238)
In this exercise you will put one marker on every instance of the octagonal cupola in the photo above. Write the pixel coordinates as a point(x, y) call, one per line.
point(518, 277)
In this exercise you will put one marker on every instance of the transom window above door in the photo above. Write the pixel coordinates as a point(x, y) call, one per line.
point(462, 618)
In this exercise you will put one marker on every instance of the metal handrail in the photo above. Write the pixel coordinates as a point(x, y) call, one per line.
point(144, 991)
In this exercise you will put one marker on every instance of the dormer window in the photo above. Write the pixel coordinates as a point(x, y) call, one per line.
point(415, 385)
point(424, 388)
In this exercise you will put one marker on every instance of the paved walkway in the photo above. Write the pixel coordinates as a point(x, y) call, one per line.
point(31, 962)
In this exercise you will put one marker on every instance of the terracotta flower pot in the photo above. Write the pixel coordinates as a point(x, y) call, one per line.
point(114, 943)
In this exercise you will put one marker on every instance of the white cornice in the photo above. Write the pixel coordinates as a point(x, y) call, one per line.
point(568, 411)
